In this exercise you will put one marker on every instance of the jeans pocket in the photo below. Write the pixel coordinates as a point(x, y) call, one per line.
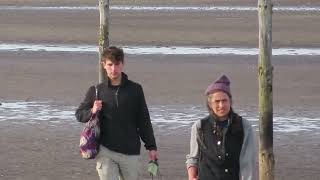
point(99, 165)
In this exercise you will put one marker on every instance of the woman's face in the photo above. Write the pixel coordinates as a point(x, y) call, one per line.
point(220, 103)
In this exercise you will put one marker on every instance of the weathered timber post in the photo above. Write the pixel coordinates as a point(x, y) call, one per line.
point(104, 34)
point(265, 69)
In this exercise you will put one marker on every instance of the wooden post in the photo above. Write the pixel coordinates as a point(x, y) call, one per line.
point(265, 69)
point(104, 34)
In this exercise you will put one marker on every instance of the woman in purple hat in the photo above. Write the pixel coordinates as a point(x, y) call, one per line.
point(222, 145)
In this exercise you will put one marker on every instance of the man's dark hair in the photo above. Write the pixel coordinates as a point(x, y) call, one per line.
point(113, 53)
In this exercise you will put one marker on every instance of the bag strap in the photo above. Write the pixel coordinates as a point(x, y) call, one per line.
point(96, 89)
point(96, 98)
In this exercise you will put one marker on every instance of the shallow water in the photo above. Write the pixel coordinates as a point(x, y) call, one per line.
point(165, 117)
point(172, 50)
point(169, 8)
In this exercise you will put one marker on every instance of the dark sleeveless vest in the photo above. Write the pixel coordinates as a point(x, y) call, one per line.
point(215, 164)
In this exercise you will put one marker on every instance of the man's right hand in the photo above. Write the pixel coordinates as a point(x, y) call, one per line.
point(97, 105)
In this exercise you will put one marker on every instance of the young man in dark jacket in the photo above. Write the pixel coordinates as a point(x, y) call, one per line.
point(124, 119)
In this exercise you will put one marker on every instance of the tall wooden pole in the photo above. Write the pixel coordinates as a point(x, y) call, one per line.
point(104, 34)
point(265, 69)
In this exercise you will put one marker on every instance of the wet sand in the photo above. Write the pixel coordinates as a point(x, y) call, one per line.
point(47, 151)
point(167, 79)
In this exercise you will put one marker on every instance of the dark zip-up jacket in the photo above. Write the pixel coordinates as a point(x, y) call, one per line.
point(124, 117)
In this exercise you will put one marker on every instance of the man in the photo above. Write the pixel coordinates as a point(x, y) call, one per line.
point(222, 145)
point(124, 119)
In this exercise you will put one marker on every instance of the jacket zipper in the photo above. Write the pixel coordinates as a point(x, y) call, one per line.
point(116, 97)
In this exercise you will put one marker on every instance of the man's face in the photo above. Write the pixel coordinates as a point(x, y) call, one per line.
point(220, 103)
point(113, 69)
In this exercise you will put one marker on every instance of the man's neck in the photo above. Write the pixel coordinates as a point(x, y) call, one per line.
point(115, 82)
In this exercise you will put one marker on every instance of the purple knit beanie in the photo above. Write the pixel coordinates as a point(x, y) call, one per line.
point(221, 84)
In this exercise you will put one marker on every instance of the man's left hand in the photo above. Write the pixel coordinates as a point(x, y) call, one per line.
point(153, 155)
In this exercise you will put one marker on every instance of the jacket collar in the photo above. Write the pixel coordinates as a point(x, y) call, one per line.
point(234, 121)
point(124, 80)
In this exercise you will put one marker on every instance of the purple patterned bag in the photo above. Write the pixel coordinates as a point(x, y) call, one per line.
point(89, 137)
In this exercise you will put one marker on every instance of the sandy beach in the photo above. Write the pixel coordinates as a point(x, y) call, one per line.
point(44, 150)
